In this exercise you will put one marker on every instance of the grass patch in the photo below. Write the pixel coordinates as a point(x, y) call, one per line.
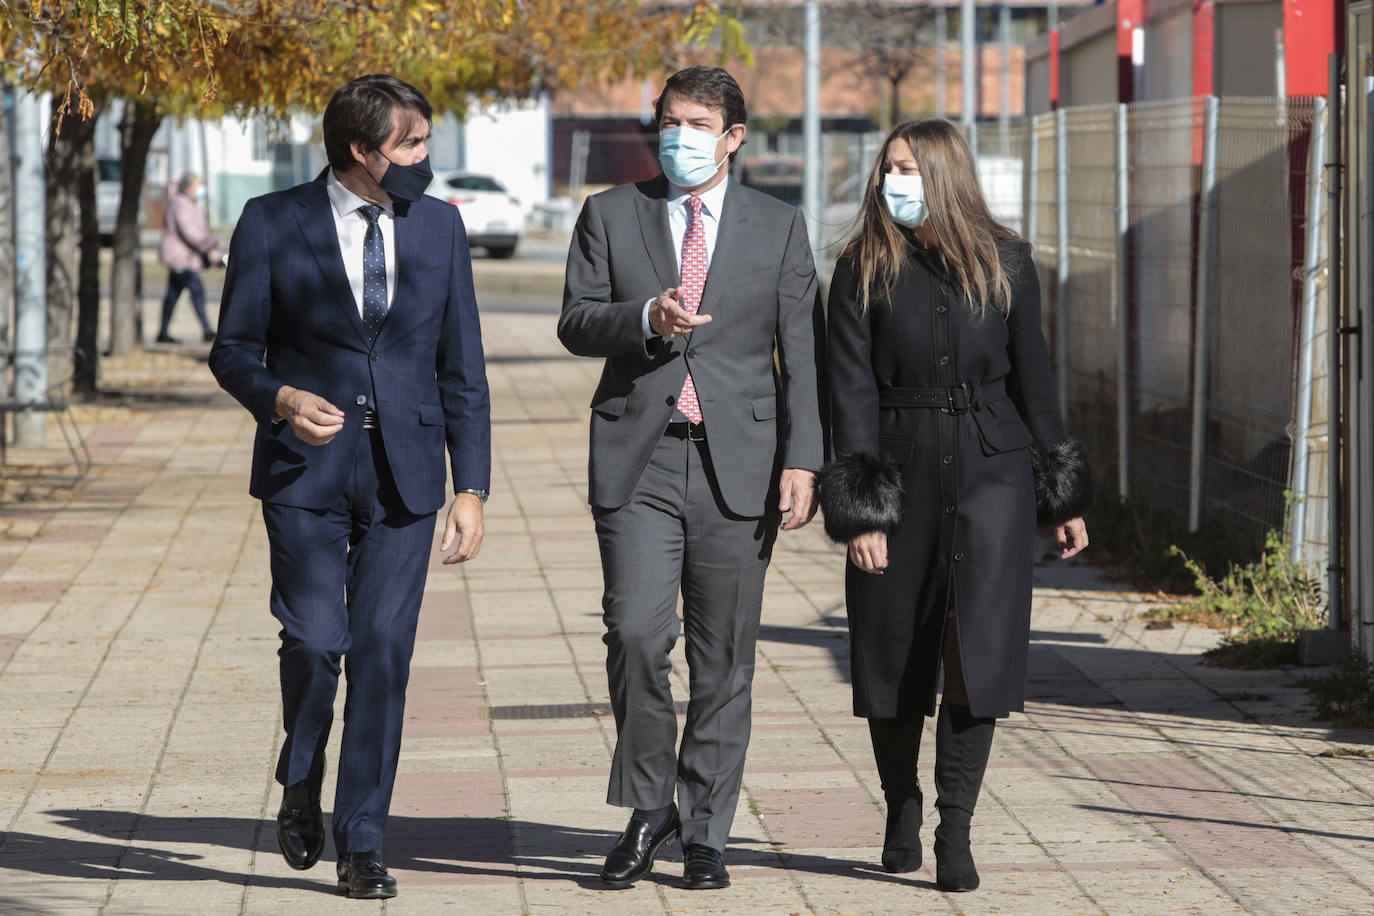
point(1347, 752)
point(1346, 695)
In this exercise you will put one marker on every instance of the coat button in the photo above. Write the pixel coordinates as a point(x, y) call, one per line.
point(691, 354)
point(948, 459)
point(958, 558)
point(360, 400)
point(374, 356)
point(940, 310)
point(944, 360)
point(671, 399)
point(949, 510)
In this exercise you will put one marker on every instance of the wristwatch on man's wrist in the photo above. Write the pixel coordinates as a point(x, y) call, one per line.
point(480, 494)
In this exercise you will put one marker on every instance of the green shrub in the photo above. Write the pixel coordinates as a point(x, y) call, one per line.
point(1346, 695)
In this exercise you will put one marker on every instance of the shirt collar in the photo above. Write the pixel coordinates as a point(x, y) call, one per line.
point(343, 200)
point(713, 200)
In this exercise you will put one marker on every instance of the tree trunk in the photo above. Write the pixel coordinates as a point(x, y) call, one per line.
point(69, 146)
point(140, 122)
point(87, 352)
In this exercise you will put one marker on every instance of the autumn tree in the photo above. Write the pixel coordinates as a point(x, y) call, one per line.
point(275, 57)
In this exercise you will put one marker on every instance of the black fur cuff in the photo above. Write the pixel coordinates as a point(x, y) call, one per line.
point(859, 493)
point(1063, 482)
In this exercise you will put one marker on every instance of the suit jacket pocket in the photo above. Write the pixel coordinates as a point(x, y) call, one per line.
point(765, 408)
point(431, 415)
point(1000, 428)
point(612, 407)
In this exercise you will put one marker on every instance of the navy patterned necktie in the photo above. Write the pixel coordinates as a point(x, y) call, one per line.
point(374, 272)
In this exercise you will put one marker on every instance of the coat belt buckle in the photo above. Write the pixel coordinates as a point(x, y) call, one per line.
point(955, 407)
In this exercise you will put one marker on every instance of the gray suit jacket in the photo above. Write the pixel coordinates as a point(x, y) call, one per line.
point(761, 415)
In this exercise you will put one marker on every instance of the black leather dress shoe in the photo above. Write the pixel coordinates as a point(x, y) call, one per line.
point(362, 876)
point(703, 868)
point(300, 823)
point(632, 856)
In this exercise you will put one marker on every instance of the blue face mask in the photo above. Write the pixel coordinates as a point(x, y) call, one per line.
point(905, 197)
point(688, 155)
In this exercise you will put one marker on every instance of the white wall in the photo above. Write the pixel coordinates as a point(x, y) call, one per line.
point(510, 142)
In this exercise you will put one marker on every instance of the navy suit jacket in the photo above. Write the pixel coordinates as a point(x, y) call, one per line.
point(288, 317)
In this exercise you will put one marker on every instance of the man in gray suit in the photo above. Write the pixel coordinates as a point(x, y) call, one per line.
point(700, 441)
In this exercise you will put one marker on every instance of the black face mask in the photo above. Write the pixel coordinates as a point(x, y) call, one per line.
point(406, 182)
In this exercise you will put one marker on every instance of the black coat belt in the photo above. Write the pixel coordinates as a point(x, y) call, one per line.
point(956, 399)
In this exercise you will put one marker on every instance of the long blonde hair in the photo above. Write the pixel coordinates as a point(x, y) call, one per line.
point(965, 232)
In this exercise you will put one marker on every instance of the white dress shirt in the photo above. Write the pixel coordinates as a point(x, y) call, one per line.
point(352, 229)
point(679, 216)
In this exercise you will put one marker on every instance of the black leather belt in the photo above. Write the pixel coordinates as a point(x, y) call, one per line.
point(692, 432)
point(370, 420)
point(956, 399)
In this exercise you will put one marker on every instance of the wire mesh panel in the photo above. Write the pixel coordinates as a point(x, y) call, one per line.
point(1261, 168)
point(1000, 153)
point(1089, 293)
point(1165, 149)
point(1041, 209)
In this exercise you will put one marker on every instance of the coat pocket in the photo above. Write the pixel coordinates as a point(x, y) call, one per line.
point(612, 407)
point(898, 448)
point(765, 408)
point(1000, 428)
point(431, 415)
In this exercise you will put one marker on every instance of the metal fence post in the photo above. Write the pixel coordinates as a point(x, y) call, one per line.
point(1206, 301)
point(1123, 299)
point(1307, 342)
point(1032, 204)
point(1061, 310)
point(30, 306)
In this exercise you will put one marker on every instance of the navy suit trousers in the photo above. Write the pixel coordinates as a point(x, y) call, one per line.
point(346, 586)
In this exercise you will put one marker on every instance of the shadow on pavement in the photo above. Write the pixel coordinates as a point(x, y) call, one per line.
point(446, 845)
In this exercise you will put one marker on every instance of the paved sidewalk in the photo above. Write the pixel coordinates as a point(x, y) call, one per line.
point(139, 712)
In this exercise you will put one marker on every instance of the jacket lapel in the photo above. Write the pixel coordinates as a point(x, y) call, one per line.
point(316, 221)
point(652, 207)
point(732, 235)
point(406, 232)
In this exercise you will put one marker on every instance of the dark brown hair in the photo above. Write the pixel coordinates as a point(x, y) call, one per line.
point(966, 235)
point(709, 86)
point(365, 111)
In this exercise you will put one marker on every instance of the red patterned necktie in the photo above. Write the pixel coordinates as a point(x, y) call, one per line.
point(693, 281)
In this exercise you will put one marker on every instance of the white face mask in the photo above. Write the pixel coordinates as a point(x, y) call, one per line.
point(688, 155)
point(905, 197)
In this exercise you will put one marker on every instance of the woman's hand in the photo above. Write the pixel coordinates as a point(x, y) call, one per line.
point(869, 552)
point(1072, 537)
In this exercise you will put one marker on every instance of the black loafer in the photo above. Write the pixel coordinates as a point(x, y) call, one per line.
point(632, 856)
point(703, 868)
point(362, 876)
point(300, 823)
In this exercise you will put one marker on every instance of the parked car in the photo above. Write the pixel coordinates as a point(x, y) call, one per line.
point(493, 217)
point(107, 190)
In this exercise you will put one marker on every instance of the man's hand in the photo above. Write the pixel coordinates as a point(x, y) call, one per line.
point(869, 552)
point(797, 490)
point(465, 526)
point(667, 317)
point(314, 420)
point(1072, 537)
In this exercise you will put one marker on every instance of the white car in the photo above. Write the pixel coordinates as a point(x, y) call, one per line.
point(492, 217)
point(107, 193)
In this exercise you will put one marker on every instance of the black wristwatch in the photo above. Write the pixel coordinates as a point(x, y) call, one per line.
point(480, 494)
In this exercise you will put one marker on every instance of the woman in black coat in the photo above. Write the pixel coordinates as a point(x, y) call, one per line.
point(949, 449)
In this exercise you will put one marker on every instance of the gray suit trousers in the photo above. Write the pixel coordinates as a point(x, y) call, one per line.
point(675, 532)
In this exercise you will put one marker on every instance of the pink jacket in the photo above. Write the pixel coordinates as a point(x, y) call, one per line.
point(185, 235)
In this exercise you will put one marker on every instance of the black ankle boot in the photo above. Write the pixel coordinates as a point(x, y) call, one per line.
point(962, 745)
point(896, 743)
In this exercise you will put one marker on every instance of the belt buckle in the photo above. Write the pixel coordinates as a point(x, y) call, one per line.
point(696, 432)
point(954, 407)
point(370, 420)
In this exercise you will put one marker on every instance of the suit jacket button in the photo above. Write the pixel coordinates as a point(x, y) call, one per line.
point(691, 354)
point(671, 399)
point(374, 356)
point(360, 400)
point(958, 558)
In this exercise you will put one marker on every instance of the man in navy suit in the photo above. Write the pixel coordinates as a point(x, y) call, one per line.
point(348, 328)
